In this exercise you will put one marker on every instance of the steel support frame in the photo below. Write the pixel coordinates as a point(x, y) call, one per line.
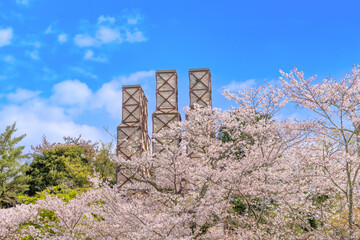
point(200, 93)
point(200, 87)
point(166, 107)
point(132, 133)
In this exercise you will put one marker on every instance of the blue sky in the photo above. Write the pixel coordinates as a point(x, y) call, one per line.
point(62, 62)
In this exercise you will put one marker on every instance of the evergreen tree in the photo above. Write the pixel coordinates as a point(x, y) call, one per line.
point(103, 164)
point(69, 163)
point(12, 178)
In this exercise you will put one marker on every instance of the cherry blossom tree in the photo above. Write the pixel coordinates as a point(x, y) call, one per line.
point(242, 173)
point(331, 161)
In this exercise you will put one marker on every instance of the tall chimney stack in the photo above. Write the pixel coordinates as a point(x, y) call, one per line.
point(132, 133)
point(166, 107)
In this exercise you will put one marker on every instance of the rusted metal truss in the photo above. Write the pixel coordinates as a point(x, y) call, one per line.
point(200, 87)
point(166, 107)
point(133, 139)
point(132, 133)
point(200, 93)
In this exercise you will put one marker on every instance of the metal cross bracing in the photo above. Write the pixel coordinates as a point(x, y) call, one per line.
point(162, 121)
point(166, 91)
point(200, 87)
point(200, 93)
point(166, 107)
point(134, 104)
point(132, 133)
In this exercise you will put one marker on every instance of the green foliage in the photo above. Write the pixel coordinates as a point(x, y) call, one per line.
point(12, 178)
point(68, 165)
point(61, 191)
point(47, 219)
point(225, 135)
point(46, 223)
point(239, 206)
point(263, 210)
point(103, 164)
point(318, 200)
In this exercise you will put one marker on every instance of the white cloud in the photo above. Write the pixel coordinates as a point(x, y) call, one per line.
point(22, 2)
point(106, 19)
point(6, 35)
point(136, 36)
point(135, 77)
point(56, 116)
point(108, 35)
point(9, 59)
point(62, 38)
point(134, 19)
point(83, 40)
point(107, 32)
point(236, 86)
point(109, 97)
point(37, 118)
point(110, 94)
point(33, 54)
point(89, 55)
point(21, 95)
point(104, 35)
point(71, 92)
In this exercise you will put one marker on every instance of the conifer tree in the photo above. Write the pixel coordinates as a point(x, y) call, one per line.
point(12, 177)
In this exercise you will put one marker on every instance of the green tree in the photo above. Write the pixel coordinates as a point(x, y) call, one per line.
point(69, 163)
point(103, 164)
point(12, 177)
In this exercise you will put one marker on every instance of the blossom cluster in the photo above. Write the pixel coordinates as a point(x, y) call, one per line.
point(235, 174)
